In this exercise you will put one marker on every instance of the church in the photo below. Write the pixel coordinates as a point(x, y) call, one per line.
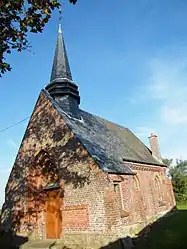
point(78, 177)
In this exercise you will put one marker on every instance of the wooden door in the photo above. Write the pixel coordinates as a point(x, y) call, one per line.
point(53, 215)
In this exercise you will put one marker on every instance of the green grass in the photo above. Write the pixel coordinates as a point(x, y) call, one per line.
point(182, 206)
point(168, 233)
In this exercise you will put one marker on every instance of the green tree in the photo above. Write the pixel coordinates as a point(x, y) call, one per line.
point(17, 18)
point(181, 166)
point(167, 161)
point(178, 172)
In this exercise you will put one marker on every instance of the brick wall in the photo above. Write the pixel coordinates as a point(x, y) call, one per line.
point(93, 202)
point(140, 197)
point(80, 178)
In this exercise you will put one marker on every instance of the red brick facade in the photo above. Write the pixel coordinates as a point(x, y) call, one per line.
point(93, 202)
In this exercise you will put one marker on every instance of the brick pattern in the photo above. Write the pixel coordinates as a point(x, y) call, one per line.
point(75, 217)
point(142, 201)
point(93, 202)
point(80, 178)
point(153, 139)
point(140, 198)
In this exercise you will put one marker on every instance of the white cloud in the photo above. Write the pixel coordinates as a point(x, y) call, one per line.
point(168, 86)
point(159, 81)
point(175, 114)
point(166, 91)
point(168, 79)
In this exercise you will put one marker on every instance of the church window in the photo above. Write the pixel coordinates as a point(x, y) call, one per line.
point(116, 185)
point(157, 185)
point(136, 183)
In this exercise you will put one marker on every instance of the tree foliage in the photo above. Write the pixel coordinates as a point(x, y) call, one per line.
point(17, 18)
point(178, 172)
point(167, 162)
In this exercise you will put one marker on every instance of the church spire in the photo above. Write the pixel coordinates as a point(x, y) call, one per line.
point(61, 86)
point(61, 68)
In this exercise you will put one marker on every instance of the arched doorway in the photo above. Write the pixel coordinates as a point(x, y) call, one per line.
point(45, 196)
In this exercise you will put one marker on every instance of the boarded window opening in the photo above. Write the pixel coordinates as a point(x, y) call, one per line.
point(116, 185)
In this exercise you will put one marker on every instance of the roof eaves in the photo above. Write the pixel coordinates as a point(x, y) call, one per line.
point(148, 163)
point(119, 172)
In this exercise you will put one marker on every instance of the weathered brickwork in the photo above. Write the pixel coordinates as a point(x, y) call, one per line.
point(144, 198)
point(79, 214)
point(93, 202)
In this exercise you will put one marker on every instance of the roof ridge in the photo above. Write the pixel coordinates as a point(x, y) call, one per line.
point(112, 122)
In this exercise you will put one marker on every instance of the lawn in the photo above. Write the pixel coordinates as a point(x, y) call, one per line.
point(169, 233)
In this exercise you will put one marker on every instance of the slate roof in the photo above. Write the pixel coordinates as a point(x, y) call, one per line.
point(111, 145)
point(61, 68)
point(108, 143)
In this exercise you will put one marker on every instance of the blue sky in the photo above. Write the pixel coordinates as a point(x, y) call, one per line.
point(129, 59)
